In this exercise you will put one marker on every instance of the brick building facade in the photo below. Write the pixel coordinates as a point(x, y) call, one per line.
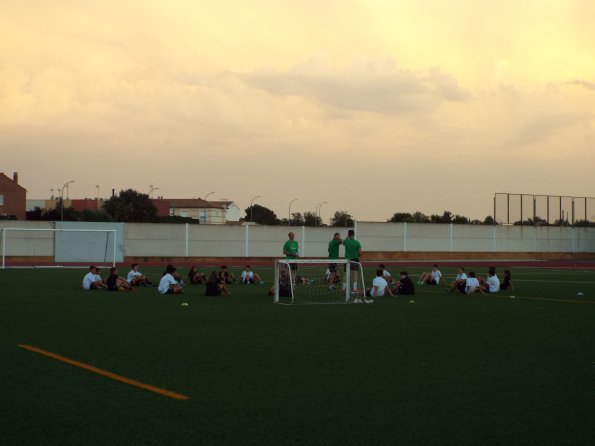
point(13, 197)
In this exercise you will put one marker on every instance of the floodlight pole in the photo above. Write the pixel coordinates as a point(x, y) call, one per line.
point(251, 202)
point(289, 214)
point(62, 200)
point(318, 208)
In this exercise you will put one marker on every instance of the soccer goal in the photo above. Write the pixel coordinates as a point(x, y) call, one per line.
point(309, 281)
point(88, 245)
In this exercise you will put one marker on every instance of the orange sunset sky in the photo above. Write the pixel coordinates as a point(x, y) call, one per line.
point(372, 106)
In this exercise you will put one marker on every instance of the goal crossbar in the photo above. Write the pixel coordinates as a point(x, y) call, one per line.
point(6, 230)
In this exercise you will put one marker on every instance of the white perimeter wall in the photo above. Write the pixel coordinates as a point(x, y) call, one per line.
point(176, 240)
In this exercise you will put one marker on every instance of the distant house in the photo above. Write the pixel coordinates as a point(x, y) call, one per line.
point(13, 198)
point(207, 212)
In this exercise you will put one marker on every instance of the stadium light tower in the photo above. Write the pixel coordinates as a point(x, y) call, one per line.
point(62, 199)
point(251, 202)
point(318, 208)
point(289, 214)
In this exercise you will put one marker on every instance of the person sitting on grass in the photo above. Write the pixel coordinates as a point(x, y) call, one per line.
point(214, 286)
point(491, 284)
point(116, 283)
point(249, 276)
point(379, 286)
point(92, 280)
point(226, 276)
point(404, 286)
point(387, 276)
point(433, 277)
point(196, 277)
point(507, 281)
point(471, 284)
point(284, 285)
point(459, 283)
point(169, 283)
point(136, 278)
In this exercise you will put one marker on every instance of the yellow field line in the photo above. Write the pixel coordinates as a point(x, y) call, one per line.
point(90, 368)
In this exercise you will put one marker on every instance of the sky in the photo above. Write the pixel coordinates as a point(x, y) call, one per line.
point(372, 106)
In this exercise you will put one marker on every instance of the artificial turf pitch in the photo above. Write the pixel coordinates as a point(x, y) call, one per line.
point(448, 369)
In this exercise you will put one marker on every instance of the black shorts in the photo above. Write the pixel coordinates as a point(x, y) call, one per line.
point(431, 282)
point(332, 267)
point(293, 266)
point(353, 265)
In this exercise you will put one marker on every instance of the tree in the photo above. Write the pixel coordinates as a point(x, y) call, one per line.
point(419, 217)
point(297, 219)
point(93, 215)
point(131, 206)
point(401, 217)
point(460, 220)
point(261, 215)
point(342, 219)
point(489, 220)
point(311, 219)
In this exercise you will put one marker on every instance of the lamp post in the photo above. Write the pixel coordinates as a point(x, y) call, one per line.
point(62, 199)
point(251, 202)
point(97, 186)
point(52, 192)
point(152, 189)
point(289, 215)
point(207, 195)
point(318, 208)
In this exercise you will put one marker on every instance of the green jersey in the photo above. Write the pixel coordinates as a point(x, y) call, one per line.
point(352, 247)
point(291, 248)
point(333, 248)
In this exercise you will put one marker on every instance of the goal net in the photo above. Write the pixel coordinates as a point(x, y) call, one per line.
point(318, 281)
point(52, 246)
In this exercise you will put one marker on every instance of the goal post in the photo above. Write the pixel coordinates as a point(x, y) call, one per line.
point(300, 281)
point(110, 233)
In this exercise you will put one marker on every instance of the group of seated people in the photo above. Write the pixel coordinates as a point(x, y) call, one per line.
point(171, 281)
point(113, 282)
point(469, 283)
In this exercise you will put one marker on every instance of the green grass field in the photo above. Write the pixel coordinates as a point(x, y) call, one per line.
point(448, 369)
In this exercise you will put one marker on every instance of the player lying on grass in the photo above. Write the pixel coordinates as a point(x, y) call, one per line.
point(404, 286)
point(459, 283)
point(214, 286)
point(92, 280)
point(136, 278)
point(379, 286)
point(491, 284)
point(116, 283)
point(196, 277)
point(249, 276)
point(433, 277)
point(170, 282)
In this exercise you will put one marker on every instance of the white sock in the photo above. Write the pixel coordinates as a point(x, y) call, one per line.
point(355, 285)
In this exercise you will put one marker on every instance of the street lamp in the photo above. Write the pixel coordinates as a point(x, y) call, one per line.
point(318, 208)
point(97, 186)
point(251, 209)
point(62, 199)
point(289, 215)
point(207, 195)
point(152, 189)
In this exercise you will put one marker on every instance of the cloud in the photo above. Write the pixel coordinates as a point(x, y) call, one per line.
point(375, 86)
point(583, 83)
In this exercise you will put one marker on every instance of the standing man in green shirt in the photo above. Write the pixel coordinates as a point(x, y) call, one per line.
point(353, 251)
point(291, 250)
point(333, 254)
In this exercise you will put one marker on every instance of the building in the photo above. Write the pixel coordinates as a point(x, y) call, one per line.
point(207, 212)
point(13, 198)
